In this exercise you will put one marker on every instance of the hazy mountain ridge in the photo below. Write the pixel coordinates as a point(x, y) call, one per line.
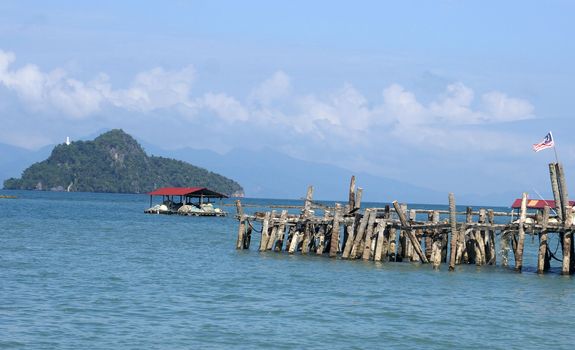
point(270, 174)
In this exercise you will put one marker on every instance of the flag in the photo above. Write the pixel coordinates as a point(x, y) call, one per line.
point(546, 143)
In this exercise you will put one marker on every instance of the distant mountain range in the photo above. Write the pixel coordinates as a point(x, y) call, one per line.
point(270, 174)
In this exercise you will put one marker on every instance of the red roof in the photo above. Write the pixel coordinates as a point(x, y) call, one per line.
point(537, 203)
point(186, 191)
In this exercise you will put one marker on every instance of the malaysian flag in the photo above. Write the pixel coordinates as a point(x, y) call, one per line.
point(546, 143)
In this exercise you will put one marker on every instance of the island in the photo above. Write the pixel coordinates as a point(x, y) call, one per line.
point(115, 162)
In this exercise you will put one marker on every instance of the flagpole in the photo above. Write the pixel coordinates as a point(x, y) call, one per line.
point(554, 148)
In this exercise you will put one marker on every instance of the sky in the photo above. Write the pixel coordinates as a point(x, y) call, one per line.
point(448, 95)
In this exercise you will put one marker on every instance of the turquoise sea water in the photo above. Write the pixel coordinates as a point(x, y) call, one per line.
point(91, 271)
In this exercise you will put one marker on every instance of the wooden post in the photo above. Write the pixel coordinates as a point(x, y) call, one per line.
point(568, 220)
point(567, 236)
point(306, 238)
point(392, 245)
point(359, 235)
point(351, 237)
point(306, 213)
point(467, 242)
point(294, 243)
point(351, 202)
point(348, 234)
point(543, 244)
point(492, 259)
point(265, 232)
point(308, 198)
point(274, 232)
point(562, 190)
point(410, 233)
point(358, 198)
point(281, 231)
point(454, 234)
point(480, 239)
point(555, 188)
point(403, 242)
point(436, 241)
point(334, 242)
point(429, 239)
point(380, 243)
point(368, 235)
point(242, 228)
point(290, 233)
point(247, 237)
point(320, 239)
point(521, 238)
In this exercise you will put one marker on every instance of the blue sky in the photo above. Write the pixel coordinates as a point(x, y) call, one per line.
point(448, 95)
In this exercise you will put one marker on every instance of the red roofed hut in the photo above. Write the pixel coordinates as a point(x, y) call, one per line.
point(193, 201)
point(537, 204)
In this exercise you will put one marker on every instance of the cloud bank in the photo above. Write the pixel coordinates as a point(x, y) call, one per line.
point(452, 120)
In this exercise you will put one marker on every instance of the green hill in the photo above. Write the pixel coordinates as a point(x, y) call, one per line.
point(115, 162)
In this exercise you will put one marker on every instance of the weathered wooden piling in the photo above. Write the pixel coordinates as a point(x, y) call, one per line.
point(334, 240)
point(381, 243)
point(273, 233)
point(242, 228)
point(492, 257)
point(437, 241)
point(409, 231)
point(567, 238)
point(351, 200)
point(480, 251)
point(543, 256)
point(454, 234)
point(368, 236)
point(265, 231)
point(359, 236)
point(555, 189)
point(521, 235)
point(280, 233)
point(417, 235)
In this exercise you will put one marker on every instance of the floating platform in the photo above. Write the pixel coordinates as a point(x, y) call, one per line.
point(187, 201)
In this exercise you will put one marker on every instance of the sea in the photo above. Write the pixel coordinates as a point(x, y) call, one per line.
point(92, 271)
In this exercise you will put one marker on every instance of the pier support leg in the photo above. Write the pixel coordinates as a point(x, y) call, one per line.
point(368, 236)
point(521, 235)
point(242, 228)
point(334, 242)
point(380, 243)
point(492, 253)
point(454, 233)
point(359, 236)
point(410, 233)
point(265, 232)
point(543, 244)
point(280, 233)
point(567, 241)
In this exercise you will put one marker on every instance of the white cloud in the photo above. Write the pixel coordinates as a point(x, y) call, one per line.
point(226, 107)
point(155, 89)
point(455, 106)
point(452, 121)
point(401, 106)
point(501, 108)
point(45, 91)
point(275, 88)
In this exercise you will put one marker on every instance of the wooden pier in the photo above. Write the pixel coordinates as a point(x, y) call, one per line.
point(398, 233)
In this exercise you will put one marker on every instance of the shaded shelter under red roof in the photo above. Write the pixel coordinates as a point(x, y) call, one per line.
point(537, 203)
point(187, 191)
